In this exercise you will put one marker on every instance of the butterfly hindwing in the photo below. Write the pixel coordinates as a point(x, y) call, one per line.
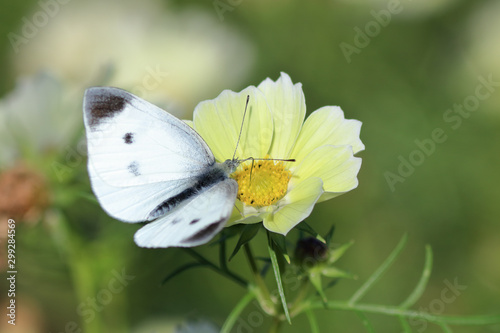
point(134, 203)
point(194, 222)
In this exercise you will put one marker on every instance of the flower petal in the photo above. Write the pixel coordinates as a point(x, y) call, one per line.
point(288, 106)
point(218, 121)
point(335, 165)
point(327, 126)
point(299, 203)
point(189, 123)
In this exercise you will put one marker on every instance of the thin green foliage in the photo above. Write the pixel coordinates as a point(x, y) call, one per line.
point(182, 269)
point(379, 272)
point(422, 283)
point(401, 311)
point(277, 275)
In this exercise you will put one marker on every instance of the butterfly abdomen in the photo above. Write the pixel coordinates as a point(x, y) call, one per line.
point(202, 183)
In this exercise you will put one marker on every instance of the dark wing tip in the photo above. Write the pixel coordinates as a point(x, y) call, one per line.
point(103, 102)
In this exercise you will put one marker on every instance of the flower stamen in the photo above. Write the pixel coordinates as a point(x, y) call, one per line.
point(261, 182)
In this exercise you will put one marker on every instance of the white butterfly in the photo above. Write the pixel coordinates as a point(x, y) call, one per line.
point(145, 165)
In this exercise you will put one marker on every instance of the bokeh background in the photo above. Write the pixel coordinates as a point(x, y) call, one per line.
point(401, 67)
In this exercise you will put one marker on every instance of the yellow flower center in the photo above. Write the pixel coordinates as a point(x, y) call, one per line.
point(263, 184)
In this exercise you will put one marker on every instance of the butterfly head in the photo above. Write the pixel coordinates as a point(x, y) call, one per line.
point(230, 165)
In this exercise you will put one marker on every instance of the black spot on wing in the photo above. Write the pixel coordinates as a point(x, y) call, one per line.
point(134, 168)
point(102, 103)
point(128, 138)
point(205, 232)
point(194, 221)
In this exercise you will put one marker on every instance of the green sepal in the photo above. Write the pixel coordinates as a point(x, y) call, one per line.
point(279, 245)
point(303, 226)
point(247, 234)
point(335, 254)
point(333, 272)
point(329, 235)
point(315, 278)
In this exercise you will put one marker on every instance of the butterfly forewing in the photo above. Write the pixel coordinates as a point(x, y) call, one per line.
point(132, 142)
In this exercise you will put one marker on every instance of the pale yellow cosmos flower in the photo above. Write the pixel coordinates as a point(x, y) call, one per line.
point(281, 194)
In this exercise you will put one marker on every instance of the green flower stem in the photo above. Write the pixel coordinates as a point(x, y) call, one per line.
point(262, 293)
point(297, 303)
point(312, 321)
point(81, 268)
point(235, 313)
point(219, 270)
point(81, 272)
point(397, 311)
point(275, 325)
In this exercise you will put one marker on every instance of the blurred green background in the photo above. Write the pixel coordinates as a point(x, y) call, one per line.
point(402, 73)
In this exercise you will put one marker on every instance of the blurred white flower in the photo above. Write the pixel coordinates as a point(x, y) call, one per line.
point(484, 49)
point(160, 54)
point(39, 116)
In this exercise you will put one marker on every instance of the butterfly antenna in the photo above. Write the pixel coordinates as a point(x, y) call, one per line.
point(241, 129)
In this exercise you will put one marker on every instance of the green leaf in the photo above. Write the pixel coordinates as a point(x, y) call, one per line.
point(315, 279)
point(339, 252)
point(422, 283)
point(329, 235)
point(303, 226)
point(182, 269)
point(333, 272)
point(396, 311)
point(400, 312)
point(379, 272)
point(229, 232)
point(277, 275)
point(280, 244)
point(247, 234)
